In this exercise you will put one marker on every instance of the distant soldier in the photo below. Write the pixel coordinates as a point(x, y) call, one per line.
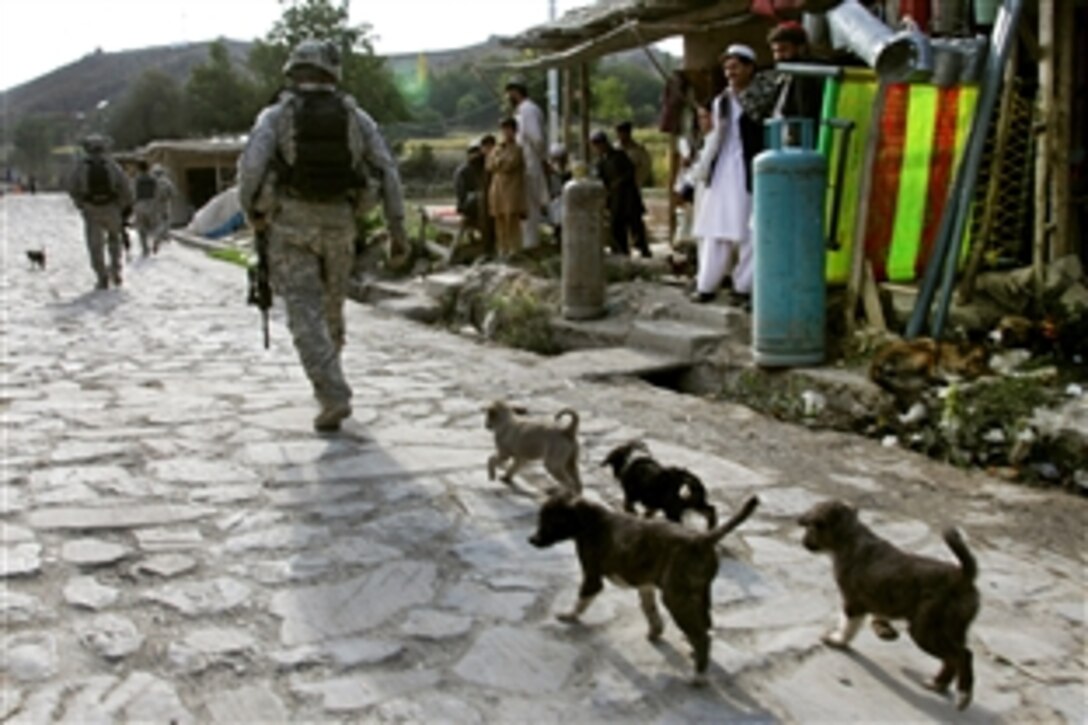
point(302, 180)
point(165, 194)
point(468, 185)
point(103, 195)
point(640, 157)
point(145, 210)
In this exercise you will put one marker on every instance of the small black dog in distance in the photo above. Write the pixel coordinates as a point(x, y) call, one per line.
point(36, 258)
point(647, 555)
point(938, 600)
point(670, 489)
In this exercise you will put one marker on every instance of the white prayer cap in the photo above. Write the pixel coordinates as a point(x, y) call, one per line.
point(740, 50)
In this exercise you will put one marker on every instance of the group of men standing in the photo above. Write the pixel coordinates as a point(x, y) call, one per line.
point(107, 198)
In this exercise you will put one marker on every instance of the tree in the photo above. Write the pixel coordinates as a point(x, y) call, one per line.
point(152, 109)
point(33, 140)
point(218, 98)
point(610, 104)
point(365, 75)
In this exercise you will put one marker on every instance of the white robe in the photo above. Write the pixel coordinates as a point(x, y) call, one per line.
point(723, 216)
point(532, 139)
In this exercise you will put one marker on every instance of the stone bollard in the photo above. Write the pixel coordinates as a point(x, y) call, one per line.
point(583, 255)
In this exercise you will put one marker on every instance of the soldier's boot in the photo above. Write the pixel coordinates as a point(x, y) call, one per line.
point(102, 283)
point(115, 278)
point(328, 420)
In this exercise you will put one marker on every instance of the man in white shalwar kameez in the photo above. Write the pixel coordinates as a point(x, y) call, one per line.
point(723, 215)
point(533, 141)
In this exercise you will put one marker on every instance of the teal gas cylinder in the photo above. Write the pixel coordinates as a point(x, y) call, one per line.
point(789, 292)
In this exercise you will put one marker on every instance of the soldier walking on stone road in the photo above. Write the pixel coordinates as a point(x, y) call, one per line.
point(103, 195)
point(302, 180)
point(145, 211)
point(164, 201)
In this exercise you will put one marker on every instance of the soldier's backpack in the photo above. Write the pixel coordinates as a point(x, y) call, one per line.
point(145, 187)
point(323, 164)
point(99, 185)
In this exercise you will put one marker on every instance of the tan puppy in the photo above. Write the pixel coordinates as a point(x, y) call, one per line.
point(520, 440)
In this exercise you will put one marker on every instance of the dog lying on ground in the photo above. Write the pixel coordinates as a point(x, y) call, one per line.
point(907, 368)
point(520, 440)
point(671, 489)
point(938, 600)
point(630, 551)
point(36, 257)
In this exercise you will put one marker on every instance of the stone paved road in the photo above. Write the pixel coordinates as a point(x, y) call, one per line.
point(177, 545)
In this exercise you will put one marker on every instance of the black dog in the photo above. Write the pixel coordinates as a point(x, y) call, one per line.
point(939, 600)
point(644, 554)
point(36, 257)
point(658, 488)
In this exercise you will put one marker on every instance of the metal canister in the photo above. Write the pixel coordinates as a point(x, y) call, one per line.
point(789, 296)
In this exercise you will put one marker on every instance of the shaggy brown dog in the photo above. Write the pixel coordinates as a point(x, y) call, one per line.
point(520, 440)
point(644, 554)
point(906, 368)
point(670, 489)
point(938, 600)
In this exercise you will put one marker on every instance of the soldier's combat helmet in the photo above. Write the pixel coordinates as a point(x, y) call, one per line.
point(313, 53)
point(95, 143)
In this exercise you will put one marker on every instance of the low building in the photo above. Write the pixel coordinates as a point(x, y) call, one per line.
point(200, 168)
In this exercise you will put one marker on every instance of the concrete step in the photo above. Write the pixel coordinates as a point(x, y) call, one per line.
point(583, 334)
point(608, 362)
point(682, 340)
point(444, 285)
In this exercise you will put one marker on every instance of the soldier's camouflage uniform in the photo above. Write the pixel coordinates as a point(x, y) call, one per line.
point(102, 221)
point(312, 243)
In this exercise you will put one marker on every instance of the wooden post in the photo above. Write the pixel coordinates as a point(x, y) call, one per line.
point(586, 106)
point(865, 187)
point(568, 94)
point(1043, 138)
point(1063, 121)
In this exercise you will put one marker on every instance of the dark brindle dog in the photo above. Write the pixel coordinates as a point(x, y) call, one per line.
point(647, 555)
point(670, 489)
point(937, 599)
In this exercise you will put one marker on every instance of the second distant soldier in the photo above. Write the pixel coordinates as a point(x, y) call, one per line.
point(145, 211)
point(101, 191)
point(303, 177)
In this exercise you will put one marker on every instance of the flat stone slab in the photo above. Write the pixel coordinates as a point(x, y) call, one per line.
point(518, 661)
point(166, 565)
point(19, 608)
point(169, 539)
point(248, 704)
point(115, 517)
point(29, 657)
point(325, 612)
point(683, 340)
point(92, 552)
point(345, 694)
point(435, 625)
point(202, 598)
point(86, 592)
point(610, 361)
point(205, 647)
point(111, 636)
point(20, 560)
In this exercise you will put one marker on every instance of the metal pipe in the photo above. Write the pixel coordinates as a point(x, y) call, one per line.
point(810, 70)
point(942, 265)
point(896, 57)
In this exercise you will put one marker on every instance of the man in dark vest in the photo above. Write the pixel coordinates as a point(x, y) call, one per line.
point(625, 207)
point(302, 179)
point(103, 195)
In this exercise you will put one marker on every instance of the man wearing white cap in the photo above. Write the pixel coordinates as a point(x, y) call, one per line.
point(723, 221)
point(531, 139)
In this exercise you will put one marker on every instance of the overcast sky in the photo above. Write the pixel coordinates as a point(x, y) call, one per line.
point(37, 36)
